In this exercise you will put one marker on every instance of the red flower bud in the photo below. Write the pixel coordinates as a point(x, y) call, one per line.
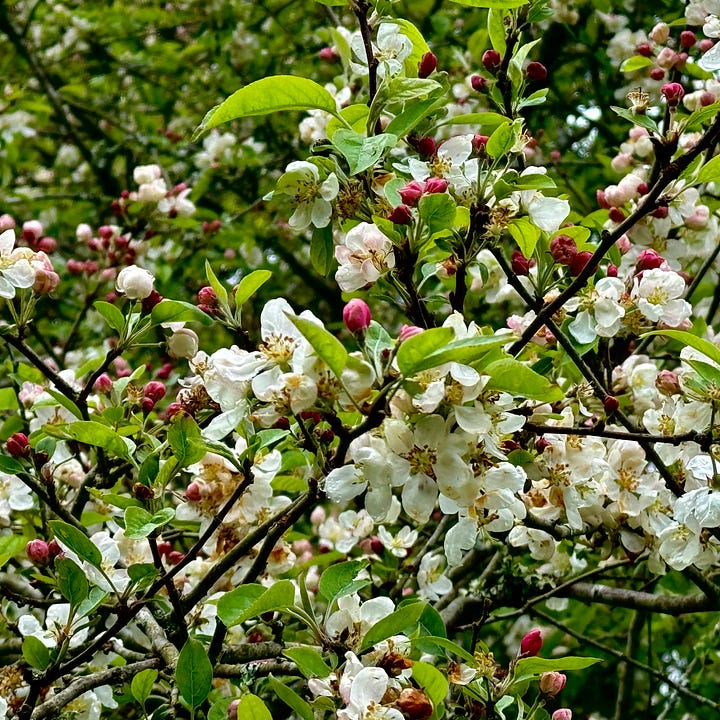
point(611, 404)
point(47, 244)
point(649, 260)
point(578, 263)
point(536, 71)
point(164, 548)
point(175, 557)
point(707, 98)
point(207, 296)
point(38, 552)
point(155, 390)
point(551, 683)
point(657, 73)
point(519, 263)
point(147, 404)
point(401, 215)
point(491, 60)
point(479, 142)
point(478, 83)
point(173, 409)
point(563, 249)
point(18, 445)
point(612, 270)
point(601, 199)
point(427, 65)
point(644, 49)
point(687, 38)
point(356, 315)
point(706, 44)
point(426, 146)
point(53, 548)
point(642, 188)
point(103, 384)
point(411, 193)
point(673, 93)
point(153, 299)
point(616, 215)
point(661, 211)
point(435, 185)
point(531, 643)
point(192, 492)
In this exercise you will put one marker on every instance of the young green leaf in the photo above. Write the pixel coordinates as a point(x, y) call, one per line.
point(437, 211)
point(335, 578)
point(72, 583)
point(413, 352)
point(526, 234)
point(77, 541)
point(178, 311)
point(142, 685)
point(111, 314)
point(139, 523)
point(249, 285)
point(431, 680)
point(403, 621)
point(35, 653)
point(301, 708)
point(309, 661)
point(511, 376)
point(251, 707)
point(194, 673)
point(234, 608)
point(215, 284)
point(686, 338)
point(327, 346)
point(185, 440)
point(362, 152)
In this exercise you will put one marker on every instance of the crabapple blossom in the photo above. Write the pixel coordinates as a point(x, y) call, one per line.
point(16, 270)
point(658, 296)
point(301, 181)
point(365, 254)
point(135, 282)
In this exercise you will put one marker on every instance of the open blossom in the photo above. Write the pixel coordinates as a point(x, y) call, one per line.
point(391, 49)
point(16, 271)
point(364, 256)
point(601, 312)
point(301, 182)
point(135, 282)
point(452, 161)
point(658, 295)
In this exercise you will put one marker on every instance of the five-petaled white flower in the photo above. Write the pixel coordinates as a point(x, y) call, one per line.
point(301, 182)
point(15, 268)
point(364, 256)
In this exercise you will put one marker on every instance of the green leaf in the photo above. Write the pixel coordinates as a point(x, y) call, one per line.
point(327, 346)
point(362, 152)
point(335, 578)
point(487, 122)
point(437, 211)
point(35, 653)
point(420, 47)
point(636, 62)
point(378, 344)
point(9, 465)
point(413, 352)
point(111, 314)
point(291, 699)
point(497, 4)
point(411, 116)
point(193, 673)
point(322, 250)
point(96, 434)
point(216, 285)
point(429, 644)
point(578, 233)
point(403, 621)
point(526, 234)
point(501, 140)
point(710, 171)
point(697, 118)
point(309, 661)
point(219, 709)
point(8, 399)
point(139, 523)
point(77, 541)
point(142, 685)
point(431, 680)
point(66, 402)
point(686, 338)
point(509, 375)
point(465, 351)
point(355, 115)
point(72, 583)
point(149, 469)
point(496, 29)
point(250, 284)
point(242, 604)
point(177, 311)
point(636, 118)
point(269, 95)
point(431, 622)
point(251, 707)
point(185, 440)
point(533, 666)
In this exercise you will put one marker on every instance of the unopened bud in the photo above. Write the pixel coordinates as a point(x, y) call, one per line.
point(611, 404)
point(705, 45)
point(103, 384)
point(407, 331)
point(7, 222)
point(578, 263)
point(673, 93)
point(427, 64)
point(18, 445)
point(519, 263)
point(38, 552)
point(155, 390)
point(491, 60)
point(479, 142)
point(478, 83)
point(667, 383)
point(657, 73)
point(616, 215)
point(147, 404)
point(328, 54)
point(183, 343)
point(411, 193)
point(644, 49)
point(649, 260)
point(427, 147)
point(552, 683)
point(207, 296)
point(563, 249)
point(661, 211)
point(536, 71)
point(32, 231)
point(688, 38)
point(401, 215)
point(562, 714)
point(435, 185)
point(175, 557)
point(612, 270)
point(356, 315)
point(531, 644)
point(192, 492)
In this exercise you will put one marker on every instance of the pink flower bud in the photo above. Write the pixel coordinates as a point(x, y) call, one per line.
point(666, 58)
point(407, 331)
point(427, 65)
point(106, 232)
point(232, 710)
point(103, 384)
point(435, 185)
point(612, 270)
point(356, 315)
point(328, 54)
point(207, 296)
point(174, 557)
point(531, 644)
point(687, 38)
point(551, 683)
point(53, 548)
point(563, 249)
point(602, 199)
point(155, 390)
point(47, 244)
point(668, 383)
point(401, 215)
point(491, 60)
point(706, 44)
point(644, 49)
point(562, 714)
point(657, 73)
point(478, 83)
point(411, 193)
point(536, 71)
point(38, 552)
point(427, 147)
point(32, 231)
point(660, 33)
point(519, 263)
point(192, 492)
point(173, 409)
point(479, 142)
point(147, 404)
point(318, 516)
point(18, 445)
point(673, 93)
point(45, 281)
point(649, 260)
point(578, 263)
point(623, 244)
point(7, 222)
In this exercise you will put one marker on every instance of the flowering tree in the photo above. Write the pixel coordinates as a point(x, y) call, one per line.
point(444, 433)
